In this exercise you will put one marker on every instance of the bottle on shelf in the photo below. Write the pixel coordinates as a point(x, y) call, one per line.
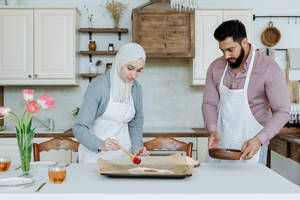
point(108, 66)
point(111, 47)
point(92, 46)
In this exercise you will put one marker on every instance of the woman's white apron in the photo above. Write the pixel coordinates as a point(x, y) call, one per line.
point(112, 124)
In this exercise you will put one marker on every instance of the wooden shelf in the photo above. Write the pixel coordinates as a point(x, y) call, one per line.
point(103, 30)
point(98, 52)
point(89, 75)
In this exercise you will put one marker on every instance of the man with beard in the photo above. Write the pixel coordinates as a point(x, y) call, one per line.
point(245, 101)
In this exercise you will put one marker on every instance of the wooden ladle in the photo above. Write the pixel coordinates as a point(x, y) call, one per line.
point(135, 159)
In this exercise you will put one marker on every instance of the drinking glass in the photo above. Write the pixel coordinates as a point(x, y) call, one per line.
point(4, 163)
point(57, 174)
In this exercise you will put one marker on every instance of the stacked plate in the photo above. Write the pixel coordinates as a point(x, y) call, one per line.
point(12, 182)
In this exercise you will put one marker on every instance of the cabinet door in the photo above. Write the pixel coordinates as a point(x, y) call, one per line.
point(245, 16)
point(164, 33)
point(54, 43)
point(206, 46)
point(16, 46)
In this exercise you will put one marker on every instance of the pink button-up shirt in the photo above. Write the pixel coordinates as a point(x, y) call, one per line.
point(267, 91)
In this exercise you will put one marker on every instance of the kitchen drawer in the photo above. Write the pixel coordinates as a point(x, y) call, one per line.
point(279, 146)
point(295, 152)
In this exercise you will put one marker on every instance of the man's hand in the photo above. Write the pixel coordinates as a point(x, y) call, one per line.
point(109, 145)
point(142, 151)
point(214, 140)
point(250, 148)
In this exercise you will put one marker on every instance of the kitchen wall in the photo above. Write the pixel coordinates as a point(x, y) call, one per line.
point(169, 100)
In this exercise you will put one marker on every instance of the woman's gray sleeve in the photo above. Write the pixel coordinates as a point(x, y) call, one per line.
point(136, 124)
point(86, 116)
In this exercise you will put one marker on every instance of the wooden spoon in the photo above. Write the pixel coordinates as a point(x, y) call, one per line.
point(135, 159)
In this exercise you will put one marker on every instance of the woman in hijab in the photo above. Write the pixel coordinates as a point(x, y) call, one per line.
point(112, 111)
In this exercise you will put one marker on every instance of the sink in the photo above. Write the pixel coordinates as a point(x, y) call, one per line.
point(46, 130)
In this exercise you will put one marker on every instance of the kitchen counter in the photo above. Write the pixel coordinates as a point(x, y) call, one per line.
point(235, 180)
point(40, 133)
point(286, 143)
point(148, 132)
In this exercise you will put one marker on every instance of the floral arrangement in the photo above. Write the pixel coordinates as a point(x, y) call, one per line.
point(89, 16)
point(24, 131)
point(116, 10)
point(23, 124)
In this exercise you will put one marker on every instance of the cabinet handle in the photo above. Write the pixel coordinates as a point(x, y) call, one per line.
point(29, 76)
point(35, 75)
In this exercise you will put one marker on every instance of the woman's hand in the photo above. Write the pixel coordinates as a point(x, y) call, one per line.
point(110, 145)
point(141, 152)
point(214, 140)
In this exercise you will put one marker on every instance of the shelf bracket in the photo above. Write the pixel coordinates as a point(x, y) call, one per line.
point(90, 79)
point(90, 35)
point(90, 56)
point(119, 35)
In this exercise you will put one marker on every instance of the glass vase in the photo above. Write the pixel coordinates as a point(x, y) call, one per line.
point(25, 149)
point(116, 21)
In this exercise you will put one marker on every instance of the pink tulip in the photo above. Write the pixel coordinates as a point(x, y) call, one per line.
point(46, 101)
point(27, 95)
point(32, 107)
point(4, 111)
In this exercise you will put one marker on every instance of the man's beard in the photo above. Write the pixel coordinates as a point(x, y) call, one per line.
point(238, 60)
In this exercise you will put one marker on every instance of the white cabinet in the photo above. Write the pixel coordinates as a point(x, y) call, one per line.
point(206, 46)
point(39, 46)
point(16, 44)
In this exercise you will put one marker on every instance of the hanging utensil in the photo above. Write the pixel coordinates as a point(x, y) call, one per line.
point(271, 35)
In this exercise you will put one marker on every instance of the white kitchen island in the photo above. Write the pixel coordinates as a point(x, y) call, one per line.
point(236, 180)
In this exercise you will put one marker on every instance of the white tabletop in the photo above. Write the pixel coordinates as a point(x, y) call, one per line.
point(211, 181)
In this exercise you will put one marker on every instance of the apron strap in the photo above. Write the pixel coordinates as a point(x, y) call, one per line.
point(253, 47)
point(221, 83)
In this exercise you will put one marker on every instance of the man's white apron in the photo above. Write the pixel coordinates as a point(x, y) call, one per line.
point(236, 123)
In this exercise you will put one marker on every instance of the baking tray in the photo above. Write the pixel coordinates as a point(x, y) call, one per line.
point(158, 176)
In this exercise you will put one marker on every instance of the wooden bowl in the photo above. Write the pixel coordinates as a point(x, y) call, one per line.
point(225, 154)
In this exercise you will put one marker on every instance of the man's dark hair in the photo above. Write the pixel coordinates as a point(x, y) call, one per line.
point(232, 28)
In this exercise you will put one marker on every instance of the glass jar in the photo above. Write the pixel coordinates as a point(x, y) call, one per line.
point(92, 46)
point(93, 69)
point(111, 47)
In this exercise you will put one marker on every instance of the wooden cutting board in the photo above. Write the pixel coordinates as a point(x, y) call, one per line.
point(293, 87)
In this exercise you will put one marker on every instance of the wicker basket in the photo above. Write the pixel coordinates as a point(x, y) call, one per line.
point(270, 36)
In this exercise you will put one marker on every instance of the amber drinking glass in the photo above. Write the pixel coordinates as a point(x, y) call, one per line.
point(4, 163)
point(57, 174)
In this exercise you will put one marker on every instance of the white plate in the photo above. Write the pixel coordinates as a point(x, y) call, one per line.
point(42, 163)
point(16, 182)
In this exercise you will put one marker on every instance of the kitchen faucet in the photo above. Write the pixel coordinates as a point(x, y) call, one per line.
point(50, 124)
